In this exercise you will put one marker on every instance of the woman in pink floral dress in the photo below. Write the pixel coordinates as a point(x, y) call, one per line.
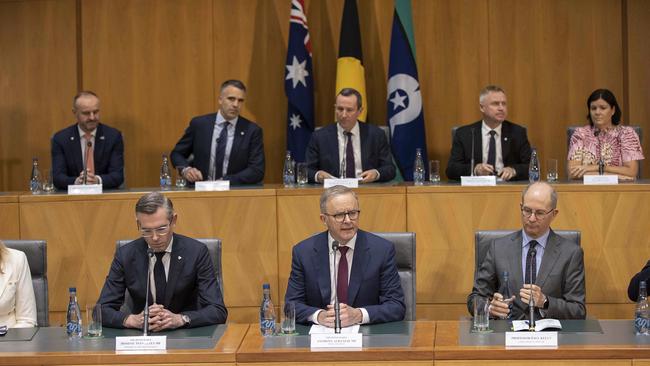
point(604, 137)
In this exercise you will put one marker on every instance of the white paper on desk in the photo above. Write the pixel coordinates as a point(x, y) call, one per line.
point(540, 325)
point(320, 329)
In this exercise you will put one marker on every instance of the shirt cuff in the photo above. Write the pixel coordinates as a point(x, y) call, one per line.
point(314, 317)
point(378, 175)
point(366, 317)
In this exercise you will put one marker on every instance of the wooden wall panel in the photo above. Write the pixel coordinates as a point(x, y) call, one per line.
point(38, 79)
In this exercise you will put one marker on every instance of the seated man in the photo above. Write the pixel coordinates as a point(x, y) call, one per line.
point(368, 285)
point(359, 149)
point(633, 287)
point(88, 143)
point(225, 145)
point(558, 273)
point(500, 147)
point(184, 288)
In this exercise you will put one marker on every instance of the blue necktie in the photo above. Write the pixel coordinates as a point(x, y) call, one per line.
point(220, 154)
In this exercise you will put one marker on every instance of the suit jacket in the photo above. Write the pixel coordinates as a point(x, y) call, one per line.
point(561, 276)
point(67, 160)
point(515, 149)
point(246, 164)
point(17, 301)
point(323, 152)
point(633, 288)
point(192, 287)
point(374, 281)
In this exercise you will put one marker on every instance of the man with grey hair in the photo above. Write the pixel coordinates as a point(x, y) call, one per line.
point(539, 262)
point(184, 291)
point(367, 281)
point(500, 147)
point(224, 145)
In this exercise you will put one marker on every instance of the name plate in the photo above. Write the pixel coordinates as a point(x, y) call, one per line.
point(85, 189)
point(531, 339)
point(141, 343)
point(346, 182)
point(212, 185)
point(324, 340)
point(600, 179)
point(478, 181)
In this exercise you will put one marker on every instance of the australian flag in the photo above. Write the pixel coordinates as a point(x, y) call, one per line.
point(298, 83)
point(405, 114)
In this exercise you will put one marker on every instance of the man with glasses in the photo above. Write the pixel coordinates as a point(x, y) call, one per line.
point(367, 282)
point(184, 291)
point(540, 263)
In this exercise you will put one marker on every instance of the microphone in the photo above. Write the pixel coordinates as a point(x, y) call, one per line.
point(601, 163)
point(343, 167)
point(85, 175)
point(145, 327)
point(337, 306)
point(471, 168)
point(531, 305)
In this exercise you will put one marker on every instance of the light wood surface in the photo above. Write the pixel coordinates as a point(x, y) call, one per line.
point(9, 219)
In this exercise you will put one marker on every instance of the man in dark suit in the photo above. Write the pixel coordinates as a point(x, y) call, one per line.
point(360, 149)
point(71, 147)
point(184, 287)
point(500, 147)
point(555, 264)
point(368, 284)
point(225, 145)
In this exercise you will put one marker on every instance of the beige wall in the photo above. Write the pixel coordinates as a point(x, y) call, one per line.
point(157, 63)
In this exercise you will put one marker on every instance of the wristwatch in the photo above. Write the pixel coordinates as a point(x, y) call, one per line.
point(186, 319)
point(545, 305)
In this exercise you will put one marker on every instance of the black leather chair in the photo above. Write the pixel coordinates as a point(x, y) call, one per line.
point(214, 248)
point(482, 241)
point(571, 129)
point(36, 253)
point(405, 258)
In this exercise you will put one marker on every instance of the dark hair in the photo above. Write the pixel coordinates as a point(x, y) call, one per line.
point(84, 93)
point(608, 96)
point(151, 202)
point(346, 92)
point(233, 82)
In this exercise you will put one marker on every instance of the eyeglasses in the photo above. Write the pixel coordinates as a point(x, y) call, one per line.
point(148, 233)
point(540, 214)
point(340, 217)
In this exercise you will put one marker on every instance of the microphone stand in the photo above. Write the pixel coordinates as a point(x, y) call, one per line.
point(337, 306)
point(601, 163)
point(471, 168)
point(85, 175)
point(531, 304)
point(145, 326)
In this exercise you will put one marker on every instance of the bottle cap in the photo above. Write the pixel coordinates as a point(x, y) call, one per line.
point(266, 286)
point(73, 289)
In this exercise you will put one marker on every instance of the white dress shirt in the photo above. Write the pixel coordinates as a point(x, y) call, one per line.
point(485, 133)
point(218, 126)
point(166, 259)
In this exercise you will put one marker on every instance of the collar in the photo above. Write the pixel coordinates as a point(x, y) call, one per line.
point(350, 244)
point(542, 240)
point(221, 119)
point(485, 129)
point(354, 130)
point(82, 132)
point(169, 247)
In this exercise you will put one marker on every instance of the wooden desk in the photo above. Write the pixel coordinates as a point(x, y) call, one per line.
point(9, 218)
point(418, 352)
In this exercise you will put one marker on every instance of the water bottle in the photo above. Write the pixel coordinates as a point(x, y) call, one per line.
point(642, 312)
point(267, 312)
point(505, 291)
point(73, 324)
point(418, 168)
point(35, 180)
point(533, 167)
point(165, 174)
point(288, 175)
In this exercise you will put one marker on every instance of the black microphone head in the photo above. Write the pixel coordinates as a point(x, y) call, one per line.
point(150, 252)
point(335, 245)
point(89, 144)
point(596, 132)
point(533, 253)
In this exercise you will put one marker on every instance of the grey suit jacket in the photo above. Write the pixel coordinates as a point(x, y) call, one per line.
point(561, 276)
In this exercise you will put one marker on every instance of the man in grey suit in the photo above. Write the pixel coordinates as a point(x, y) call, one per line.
point(557, 270)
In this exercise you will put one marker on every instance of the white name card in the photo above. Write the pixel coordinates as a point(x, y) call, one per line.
point(600, 179)
point(141, 343)
point(212, 185)
point(346, 182)
point(531, 339)
point(85, 189)
point(478, 181)
point(348, 340)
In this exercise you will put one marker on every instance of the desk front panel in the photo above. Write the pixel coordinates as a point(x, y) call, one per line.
point(9, 217)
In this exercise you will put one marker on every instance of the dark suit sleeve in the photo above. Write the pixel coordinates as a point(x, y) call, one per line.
point(296, 289)
point(115, 176)
point(211, 309)
point(633, 288)
point(184, 147)
point(312, 157)
point(59, 172)
point(572, 303)
point(521, 155)
point(385, 165)
point(254, 171)
point(112, 295)
point(391, 296)
point(459, 159)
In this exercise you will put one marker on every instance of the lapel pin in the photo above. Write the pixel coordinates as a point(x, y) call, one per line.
point(71, 138)
point(179, 257)
point(505, 139)
point(101, 137)
point(242, 133)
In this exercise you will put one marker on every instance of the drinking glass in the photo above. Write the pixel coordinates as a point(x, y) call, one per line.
point(93, 326)
point(551, 171)
point(481, 322)
point(302, 173)
point(288, 324)
point(434, 171)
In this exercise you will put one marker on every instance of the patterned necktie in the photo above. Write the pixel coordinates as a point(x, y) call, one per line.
point(349, 157)
point(222, 141)
point(492, 150)
point(342, 276)
point(531, 263)
point(90, 153)
point(160, 278)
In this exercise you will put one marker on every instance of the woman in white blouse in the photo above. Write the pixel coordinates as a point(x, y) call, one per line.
point(17, 302)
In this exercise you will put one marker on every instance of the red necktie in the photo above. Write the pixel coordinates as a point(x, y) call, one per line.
point(90, 158)
point(342, 276)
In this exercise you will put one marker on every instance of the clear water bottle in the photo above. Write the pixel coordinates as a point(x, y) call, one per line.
point(73, 323)
point(35, 184)
point(267, 312)
point(288, 173)
point(642, 312)
point(533, 167)
point(505, 291)
point(165, 173)
point(418, 168)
